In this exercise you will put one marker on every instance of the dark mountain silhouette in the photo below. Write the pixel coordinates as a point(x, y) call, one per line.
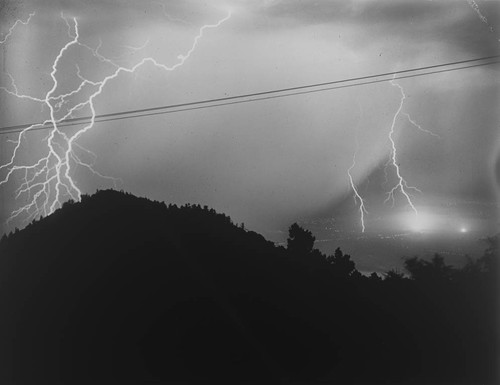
point(119, 289)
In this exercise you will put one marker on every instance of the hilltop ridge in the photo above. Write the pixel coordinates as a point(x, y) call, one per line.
point(117, 288)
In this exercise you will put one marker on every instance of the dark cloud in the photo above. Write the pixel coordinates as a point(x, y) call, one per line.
point(420, 23)
point(354, 11)
point(113, 14)
point(270, 162)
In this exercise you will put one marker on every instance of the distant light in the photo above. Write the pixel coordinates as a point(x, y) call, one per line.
point(463, 230)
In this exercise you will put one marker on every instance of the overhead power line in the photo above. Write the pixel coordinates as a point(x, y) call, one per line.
point(259, 96)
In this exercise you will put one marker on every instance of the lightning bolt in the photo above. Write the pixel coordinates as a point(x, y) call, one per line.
point(420, 128)
point(11, 29)
point(357, 196)
point(171, 18)
point(483, 18)
point(134, 49)
point(48, 182)
point(401, 185)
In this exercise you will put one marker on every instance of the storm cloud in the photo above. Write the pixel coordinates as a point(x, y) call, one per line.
point(269, 163)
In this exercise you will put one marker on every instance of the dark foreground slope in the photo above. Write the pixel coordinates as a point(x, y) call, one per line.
point(118, 288)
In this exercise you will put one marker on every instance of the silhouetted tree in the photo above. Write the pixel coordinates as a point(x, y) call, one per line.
point(300, 241)
point(340, 264)
point(394, 275)
point(473, 269)
point(434, 270)
point(489, 260)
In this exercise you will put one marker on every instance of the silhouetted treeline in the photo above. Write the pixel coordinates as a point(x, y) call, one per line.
point(118, 288)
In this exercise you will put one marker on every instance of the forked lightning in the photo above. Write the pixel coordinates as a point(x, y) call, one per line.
point(49, 181)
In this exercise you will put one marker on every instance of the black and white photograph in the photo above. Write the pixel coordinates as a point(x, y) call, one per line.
point(291, 192)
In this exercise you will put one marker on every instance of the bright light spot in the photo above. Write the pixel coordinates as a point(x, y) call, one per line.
point(421, 222)
point(432, 220)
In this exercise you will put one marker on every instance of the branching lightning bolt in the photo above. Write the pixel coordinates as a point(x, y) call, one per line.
point(401, 185)
point(48, 182)
point(11, 29)
point(418, 127)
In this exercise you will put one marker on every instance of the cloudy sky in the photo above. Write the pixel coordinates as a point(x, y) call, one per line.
point(267, 163)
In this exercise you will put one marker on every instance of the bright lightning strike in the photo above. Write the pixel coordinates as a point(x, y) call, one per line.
point(49, 181)
point(401, 185)
point(357, 196)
